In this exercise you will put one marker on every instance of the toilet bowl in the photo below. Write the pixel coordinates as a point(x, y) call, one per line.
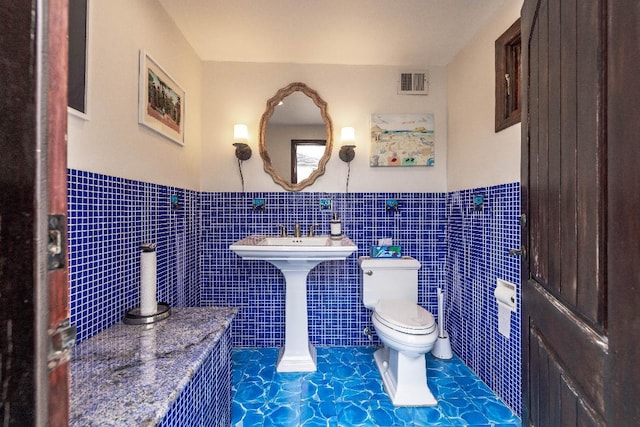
point(401, 361)
point(405, 326)
point(407, 330)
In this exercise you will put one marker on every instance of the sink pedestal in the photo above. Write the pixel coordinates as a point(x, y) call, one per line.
point(295, 257)
point(297, 354)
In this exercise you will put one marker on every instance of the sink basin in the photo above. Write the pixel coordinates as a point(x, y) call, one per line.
point(295, 257)
point(303, 250)
point(297, 241)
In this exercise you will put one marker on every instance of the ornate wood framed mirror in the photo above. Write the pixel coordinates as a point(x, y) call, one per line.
point(295, 113)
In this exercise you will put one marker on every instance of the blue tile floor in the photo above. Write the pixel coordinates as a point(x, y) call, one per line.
point(347, 391)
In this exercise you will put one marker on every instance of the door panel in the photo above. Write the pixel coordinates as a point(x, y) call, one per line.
point(566, 349)
point(565, 404)
point(581, 350)
point(623, 201)
point(568, 148)
point(566, 161)
point(590, 56)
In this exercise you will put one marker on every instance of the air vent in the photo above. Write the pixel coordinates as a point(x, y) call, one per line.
point(413, 83)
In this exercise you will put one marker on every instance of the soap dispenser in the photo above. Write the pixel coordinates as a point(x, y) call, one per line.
point(336, 227)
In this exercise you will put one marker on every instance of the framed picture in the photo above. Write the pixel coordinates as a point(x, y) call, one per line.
point(402, 140)
point(78, 64)
point(161, 100)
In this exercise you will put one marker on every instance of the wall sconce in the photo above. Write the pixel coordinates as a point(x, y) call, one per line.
point(240, 138)
point(243, 151)
point(348, 137)
point(347, 153)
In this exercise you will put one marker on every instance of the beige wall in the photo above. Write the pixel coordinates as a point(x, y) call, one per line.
point(477, 156)
point(238, 92)
point(111, 141)
point(219, 94)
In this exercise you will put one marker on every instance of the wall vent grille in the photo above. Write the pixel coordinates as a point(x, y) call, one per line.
point(413, 83)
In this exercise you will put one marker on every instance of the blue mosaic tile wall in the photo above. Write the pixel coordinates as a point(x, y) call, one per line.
point(461, 249)
point(206, 400)
point(478, 243)
point(109, 218)
point(336, 313)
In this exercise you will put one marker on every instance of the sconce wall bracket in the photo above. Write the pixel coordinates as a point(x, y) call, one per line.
point(243, 151)
point(347, 153)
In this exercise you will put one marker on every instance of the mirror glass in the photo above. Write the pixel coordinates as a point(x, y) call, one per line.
point(296, 137)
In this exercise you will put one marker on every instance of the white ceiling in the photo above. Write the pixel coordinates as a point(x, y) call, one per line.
point(409, 33)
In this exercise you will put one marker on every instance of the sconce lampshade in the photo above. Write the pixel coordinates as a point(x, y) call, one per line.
point(348, 135)
point(240, 133)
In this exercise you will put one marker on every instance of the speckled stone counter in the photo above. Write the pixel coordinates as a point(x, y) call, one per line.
point(146, 375)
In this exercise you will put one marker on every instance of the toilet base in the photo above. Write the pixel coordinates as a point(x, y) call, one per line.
point(404, 378)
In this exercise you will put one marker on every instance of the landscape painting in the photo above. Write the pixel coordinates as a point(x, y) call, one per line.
point(402, 140)
point(161, 100)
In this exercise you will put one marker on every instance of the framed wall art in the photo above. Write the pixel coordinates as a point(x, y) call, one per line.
point(78, 62)
point(161, 100)
point(402, 140)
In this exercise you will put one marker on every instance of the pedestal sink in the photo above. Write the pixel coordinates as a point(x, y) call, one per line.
point(295, 257)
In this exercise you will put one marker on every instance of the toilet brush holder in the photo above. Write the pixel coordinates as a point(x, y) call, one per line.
point(442, 347)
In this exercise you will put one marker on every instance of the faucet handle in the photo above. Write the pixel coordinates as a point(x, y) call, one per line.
point(283, 230)
point(312, 230)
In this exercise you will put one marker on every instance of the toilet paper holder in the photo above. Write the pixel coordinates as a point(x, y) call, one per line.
point(505, 293)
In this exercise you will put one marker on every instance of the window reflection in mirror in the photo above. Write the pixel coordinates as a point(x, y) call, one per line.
point(305, 157)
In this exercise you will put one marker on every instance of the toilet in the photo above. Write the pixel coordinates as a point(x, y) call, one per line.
point(389, 287)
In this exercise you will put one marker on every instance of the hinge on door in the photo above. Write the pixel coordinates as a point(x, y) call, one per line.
point(523, 220)
point(56, 242)
point(60, 342)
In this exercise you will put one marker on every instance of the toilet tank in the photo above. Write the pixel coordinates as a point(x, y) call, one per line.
point(384, 278)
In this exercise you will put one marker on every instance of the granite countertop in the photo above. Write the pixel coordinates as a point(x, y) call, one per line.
point(130, 374)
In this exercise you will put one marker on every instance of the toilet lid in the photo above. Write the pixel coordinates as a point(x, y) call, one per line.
point(404, 316)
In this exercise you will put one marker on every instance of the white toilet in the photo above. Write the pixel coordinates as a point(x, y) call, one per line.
point(389, 287)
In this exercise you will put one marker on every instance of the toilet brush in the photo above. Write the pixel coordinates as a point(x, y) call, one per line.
point(442, 347)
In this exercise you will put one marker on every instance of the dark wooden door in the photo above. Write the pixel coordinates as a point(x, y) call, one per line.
point(580, 230)
point(34, 299)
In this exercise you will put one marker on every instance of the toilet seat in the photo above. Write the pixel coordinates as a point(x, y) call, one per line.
point(404, 316)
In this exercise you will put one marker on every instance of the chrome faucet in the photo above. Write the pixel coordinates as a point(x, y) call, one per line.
point(312, 230)
point(296, 230)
